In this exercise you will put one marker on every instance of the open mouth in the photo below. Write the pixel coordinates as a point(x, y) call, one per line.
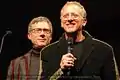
point(70, 25)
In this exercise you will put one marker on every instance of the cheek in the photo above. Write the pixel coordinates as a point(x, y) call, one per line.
point(79, 23)
point(62, 24)
point(49, 39)
point(33, 39)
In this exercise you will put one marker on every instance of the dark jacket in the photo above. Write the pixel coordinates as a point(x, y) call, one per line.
point(94, 60)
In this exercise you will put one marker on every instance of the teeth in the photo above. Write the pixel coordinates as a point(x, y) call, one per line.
point(70, 25)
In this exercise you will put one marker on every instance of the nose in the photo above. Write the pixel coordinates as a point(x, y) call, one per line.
point(70, 18)
point(42, 34)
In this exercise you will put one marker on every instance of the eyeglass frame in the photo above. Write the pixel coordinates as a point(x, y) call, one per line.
point(39, 30)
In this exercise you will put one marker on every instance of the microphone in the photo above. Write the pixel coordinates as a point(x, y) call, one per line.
point(70, 50)
point(70, 43)
point(7, 32)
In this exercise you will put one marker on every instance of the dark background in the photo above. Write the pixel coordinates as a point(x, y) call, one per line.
point(103, 24)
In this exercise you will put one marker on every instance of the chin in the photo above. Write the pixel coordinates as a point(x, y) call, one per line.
point(42, 44)
point(70, 31)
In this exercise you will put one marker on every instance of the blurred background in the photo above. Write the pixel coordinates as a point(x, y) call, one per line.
point(103, 24)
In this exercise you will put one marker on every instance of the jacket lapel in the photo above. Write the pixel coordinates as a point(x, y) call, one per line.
point(62, 45)
point(87, 48)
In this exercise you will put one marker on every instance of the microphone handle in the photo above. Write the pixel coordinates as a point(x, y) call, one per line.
point(70, 50)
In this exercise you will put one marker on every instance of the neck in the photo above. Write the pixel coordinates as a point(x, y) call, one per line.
point(36, 50)
point(77, 36)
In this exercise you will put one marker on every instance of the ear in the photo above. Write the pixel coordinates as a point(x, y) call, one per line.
point(29, 36)
point(50, 39)
point(84, 22)
point(61, 22)
point(61, 25)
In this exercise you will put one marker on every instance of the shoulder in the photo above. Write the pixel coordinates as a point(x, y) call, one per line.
point(102, 48)
point(14, 63)
point(97, 42)
point(102, 44)
point(50, 47)
point(49, 50)
point(18, 59)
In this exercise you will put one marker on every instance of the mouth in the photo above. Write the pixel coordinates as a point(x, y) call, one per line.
point(41, 40)
point(70, 25)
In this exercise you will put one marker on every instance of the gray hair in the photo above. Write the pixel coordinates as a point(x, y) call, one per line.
point(39, 19)
point(83, 11)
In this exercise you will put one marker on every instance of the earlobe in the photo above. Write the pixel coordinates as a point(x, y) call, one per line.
point(28, 36)
point(84, 22)
point(61, 25)
point(50, 39)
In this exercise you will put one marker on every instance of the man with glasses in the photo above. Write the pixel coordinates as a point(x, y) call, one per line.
point(28, 66)
point(77, 55)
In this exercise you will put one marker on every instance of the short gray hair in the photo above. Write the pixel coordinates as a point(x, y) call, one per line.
point(83, 11)
point(39, 19)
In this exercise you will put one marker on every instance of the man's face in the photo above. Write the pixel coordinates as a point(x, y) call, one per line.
point(71, 20)
point(40, 35)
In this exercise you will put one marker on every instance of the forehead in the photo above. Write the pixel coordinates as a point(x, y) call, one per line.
point(71, 8)
point(42, 24)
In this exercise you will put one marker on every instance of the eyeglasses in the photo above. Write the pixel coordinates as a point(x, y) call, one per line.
point(39, 30)
point(72, 15)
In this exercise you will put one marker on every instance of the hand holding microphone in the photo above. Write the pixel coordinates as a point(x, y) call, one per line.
point(68, 59)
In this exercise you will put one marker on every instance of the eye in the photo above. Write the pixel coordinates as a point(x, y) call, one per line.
point(38, 29)
point(65, 16)
point(75, 15)
point(46, 30)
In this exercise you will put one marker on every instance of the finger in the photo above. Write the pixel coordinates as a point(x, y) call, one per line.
point(68, 62)
point(66, 57)
point(70, 59)
point(65, 64)
point(69, 55)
